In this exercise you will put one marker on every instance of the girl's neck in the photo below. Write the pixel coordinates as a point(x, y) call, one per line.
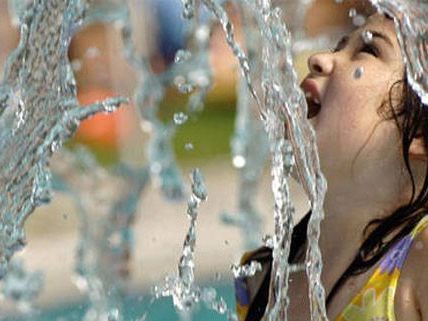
point(346, 216)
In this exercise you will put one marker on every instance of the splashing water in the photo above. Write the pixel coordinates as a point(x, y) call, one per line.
point(38, 89)
point(239, 161)
point(149, 93)
point(221, 15)
point(249, 146)
point(181, 287)
point(180, 118)
point(191, 73)
point(22, 286)
point(277, 72)
point(307, 159)
point(411, 23)
point(358, 20)
point(246, 270)
point(39, 111)
point(352, 12)
point(367, 36)
point(189, 146)
point(182, 56)
point(189, 8)
point(107, 205)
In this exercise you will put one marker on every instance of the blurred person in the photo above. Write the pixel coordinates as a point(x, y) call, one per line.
point(372, 137)
point(170, 29)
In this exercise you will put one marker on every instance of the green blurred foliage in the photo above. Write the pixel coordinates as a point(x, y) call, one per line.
point(208, 130)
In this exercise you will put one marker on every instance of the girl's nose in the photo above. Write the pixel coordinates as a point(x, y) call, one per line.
point(321, 64)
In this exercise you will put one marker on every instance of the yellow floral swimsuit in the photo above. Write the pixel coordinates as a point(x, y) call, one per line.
point(375, 300)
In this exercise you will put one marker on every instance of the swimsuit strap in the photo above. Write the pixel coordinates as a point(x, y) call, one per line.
point(375, 301)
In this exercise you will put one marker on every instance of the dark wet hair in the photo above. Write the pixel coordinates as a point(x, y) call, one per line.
point(381, 234)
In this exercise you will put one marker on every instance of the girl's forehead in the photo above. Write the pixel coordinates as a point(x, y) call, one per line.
point(381, 22)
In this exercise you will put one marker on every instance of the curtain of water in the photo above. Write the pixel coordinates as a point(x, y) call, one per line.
point(282, 101)
point(22, 286)
point(249, 149)
point(107, 204)
point(411, 21)
point(291, 105)
point(249, 143)
point(39, 111)
point(191, 73)
point(181, 287)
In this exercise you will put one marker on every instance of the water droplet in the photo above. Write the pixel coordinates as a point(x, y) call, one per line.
point(182, 56)
point(359, 20)
point(220, 306)
point(182, 85)
point(246, 270)
point(199, 77)
point(115, 239)
point(109, 106)
point(185, 88)
point(232, 317)
point(202, 33)
point(218, 276)
point(21, 285)
point(419, 245)
point(55, 146)
point(155, 167)
point(239, 161)
point(268, 241)
point(189, 9)
point(367, 36)
point(352, 12)
point(92, 52)
point(113, 315)
point(76, 65)
point(297, 268)
point(146, 126)
point(198, 186)
point(180, 118)
point(208, 295)
point(119, 24)
point(358, 73)
point(188, 146)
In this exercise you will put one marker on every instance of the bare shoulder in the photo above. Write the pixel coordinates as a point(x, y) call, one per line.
point(412, 291)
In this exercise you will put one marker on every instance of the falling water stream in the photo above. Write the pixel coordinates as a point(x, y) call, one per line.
point(106, 216)
point(39, 112)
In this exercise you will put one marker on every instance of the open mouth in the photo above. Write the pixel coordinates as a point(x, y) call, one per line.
point(314, 106)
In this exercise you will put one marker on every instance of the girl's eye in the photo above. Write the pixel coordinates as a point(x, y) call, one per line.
point(341, 44)
point(370, 49)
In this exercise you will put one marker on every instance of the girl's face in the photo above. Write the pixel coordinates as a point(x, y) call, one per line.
point(351, 83)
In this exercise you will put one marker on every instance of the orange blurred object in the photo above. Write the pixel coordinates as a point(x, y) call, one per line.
point(103, 130)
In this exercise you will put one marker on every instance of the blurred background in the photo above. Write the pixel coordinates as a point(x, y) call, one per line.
point(159, 229)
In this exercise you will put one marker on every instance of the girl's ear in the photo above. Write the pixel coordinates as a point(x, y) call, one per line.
point(417, 149)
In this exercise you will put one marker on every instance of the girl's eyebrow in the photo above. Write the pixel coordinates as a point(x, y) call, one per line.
point(382, 36)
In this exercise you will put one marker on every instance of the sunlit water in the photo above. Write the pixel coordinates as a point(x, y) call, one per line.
point(39, 112)
point(106, 215)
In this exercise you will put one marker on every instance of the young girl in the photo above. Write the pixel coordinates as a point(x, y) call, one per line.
point(372, 135)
